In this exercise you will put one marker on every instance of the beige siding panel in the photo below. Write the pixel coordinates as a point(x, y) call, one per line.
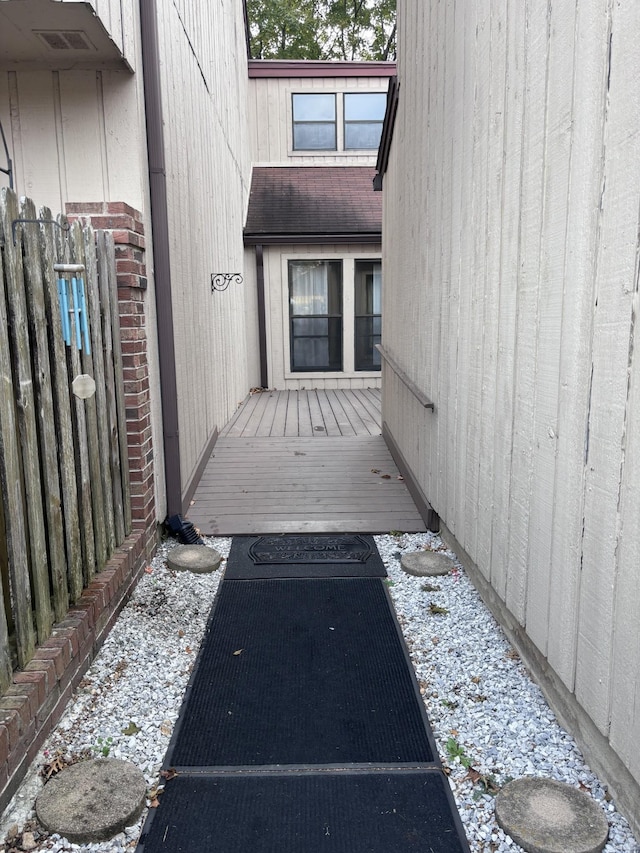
point(511, 221)
point(559, 138)
point(625, 678)
point(271, 127)
point(510, 153)
point(124, 139)
point(82, 138)
point(34, 130)
point(589, 81)
point(531, 213)
point(613, 338)
point(204, 100)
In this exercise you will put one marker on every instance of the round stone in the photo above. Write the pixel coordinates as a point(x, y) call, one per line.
point(545, 816)
point(92, 800)
point(426, 563)
point(194, 558)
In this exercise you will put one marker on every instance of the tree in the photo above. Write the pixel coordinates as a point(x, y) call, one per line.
point(322, 29)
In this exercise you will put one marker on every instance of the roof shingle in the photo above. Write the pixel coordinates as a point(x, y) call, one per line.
point(298, 202)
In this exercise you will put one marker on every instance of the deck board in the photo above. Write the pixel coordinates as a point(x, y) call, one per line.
point(272, 471)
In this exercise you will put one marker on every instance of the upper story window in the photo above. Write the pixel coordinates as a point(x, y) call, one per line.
point(329, 122)
point(363, 117)
point(314, 122)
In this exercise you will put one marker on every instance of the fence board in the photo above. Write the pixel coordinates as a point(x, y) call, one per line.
point(62, 414)
point(81, 448)
point(51, 497)
point(103, 391)
point(119, 387)
point(25, 409)
point(112, 453)
point(11, 482)
point(91, 414)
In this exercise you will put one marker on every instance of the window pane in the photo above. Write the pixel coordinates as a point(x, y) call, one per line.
point(367, 106)
point(362, 135)
point(368, 320)
point(315, 108)
point(314, 137)
point(315, 306)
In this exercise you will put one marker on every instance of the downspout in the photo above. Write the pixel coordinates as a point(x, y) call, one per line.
point(161, 256)
point(262, 323)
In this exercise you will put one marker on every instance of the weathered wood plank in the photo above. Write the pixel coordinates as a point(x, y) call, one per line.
point(305, 426)
point(102, 392)
point(36, 279)
point(77, 243)
point(342, 419)
point(81, 448)
point(25, 409)
point(62, 414)
point(12, 494)
point(111, 414)
point(292, 425)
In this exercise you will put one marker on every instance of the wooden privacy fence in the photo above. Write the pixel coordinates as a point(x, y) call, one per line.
point(64, 482)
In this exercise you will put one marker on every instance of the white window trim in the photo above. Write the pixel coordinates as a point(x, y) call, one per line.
point(348, 260)
point(339, 149)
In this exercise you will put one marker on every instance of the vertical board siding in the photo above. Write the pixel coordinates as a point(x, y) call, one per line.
point(510, 254)
point(204, 87)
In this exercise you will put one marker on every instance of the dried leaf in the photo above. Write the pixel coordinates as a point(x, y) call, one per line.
point(436, 610)
point(148, 570)
point(399, 477)
point(473, 775)
point(475, 679)
point(181, 633)
point(238, 652)
point(375, 470)
point(171, 773)
point(188, 650)
point(153, 804)
point(385, 476)
point(131, 729)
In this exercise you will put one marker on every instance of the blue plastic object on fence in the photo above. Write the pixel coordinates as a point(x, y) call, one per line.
point(72, 300)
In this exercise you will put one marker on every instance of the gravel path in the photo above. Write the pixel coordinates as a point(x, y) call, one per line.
point(490, 721)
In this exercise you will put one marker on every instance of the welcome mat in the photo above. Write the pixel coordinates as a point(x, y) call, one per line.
point(303, 556)
point(315, 813)
point(305, 673)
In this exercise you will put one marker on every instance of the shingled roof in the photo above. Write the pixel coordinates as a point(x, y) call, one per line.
point(313, 204)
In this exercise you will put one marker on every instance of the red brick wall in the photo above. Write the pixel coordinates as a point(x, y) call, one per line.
point(38, 695)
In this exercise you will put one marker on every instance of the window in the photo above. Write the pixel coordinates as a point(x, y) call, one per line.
point(368, 314)
point(314, 122)
point(363, 117)
point(315, 315)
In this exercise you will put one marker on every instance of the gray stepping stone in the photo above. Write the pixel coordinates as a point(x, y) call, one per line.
point(545, 816)
point(426, 564)
point(194, 558)
point(92, 800)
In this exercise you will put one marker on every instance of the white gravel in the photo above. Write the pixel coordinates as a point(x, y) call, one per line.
point(485, 710)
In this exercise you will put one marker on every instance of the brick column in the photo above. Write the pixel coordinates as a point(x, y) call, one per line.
point(125, 223)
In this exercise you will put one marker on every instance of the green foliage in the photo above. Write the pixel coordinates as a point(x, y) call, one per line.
point(455, 751)
point(322, 29)
point(102, 746)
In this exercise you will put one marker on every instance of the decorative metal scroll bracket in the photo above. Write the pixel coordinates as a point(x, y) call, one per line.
point(221, 280)
point(409, 383)
point(17, 222)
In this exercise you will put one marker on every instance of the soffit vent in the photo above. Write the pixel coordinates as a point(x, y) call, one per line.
point(65, 39)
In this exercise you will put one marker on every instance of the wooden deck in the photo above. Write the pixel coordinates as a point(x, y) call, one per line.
point(303, 462)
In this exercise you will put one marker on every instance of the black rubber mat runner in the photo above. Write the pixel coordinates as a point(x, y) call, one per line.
point(308, 813)
point(320, 556)
point(303, 728)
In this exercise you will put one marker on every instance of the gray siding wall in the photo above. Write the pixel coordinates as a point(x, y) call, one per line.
point(511, 292)
point(204, 87)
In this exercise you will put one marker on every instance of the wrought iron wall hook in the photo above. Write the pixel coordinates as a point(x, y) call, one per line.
point(17, 222)
point(221, 280)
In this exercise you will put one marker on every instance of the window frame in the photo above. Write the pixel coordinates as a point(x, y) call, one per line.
point(371, 316)
point(340, 151)
point(329, 316)
point(348, 259)
point(323, 122)
point(351, 122)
